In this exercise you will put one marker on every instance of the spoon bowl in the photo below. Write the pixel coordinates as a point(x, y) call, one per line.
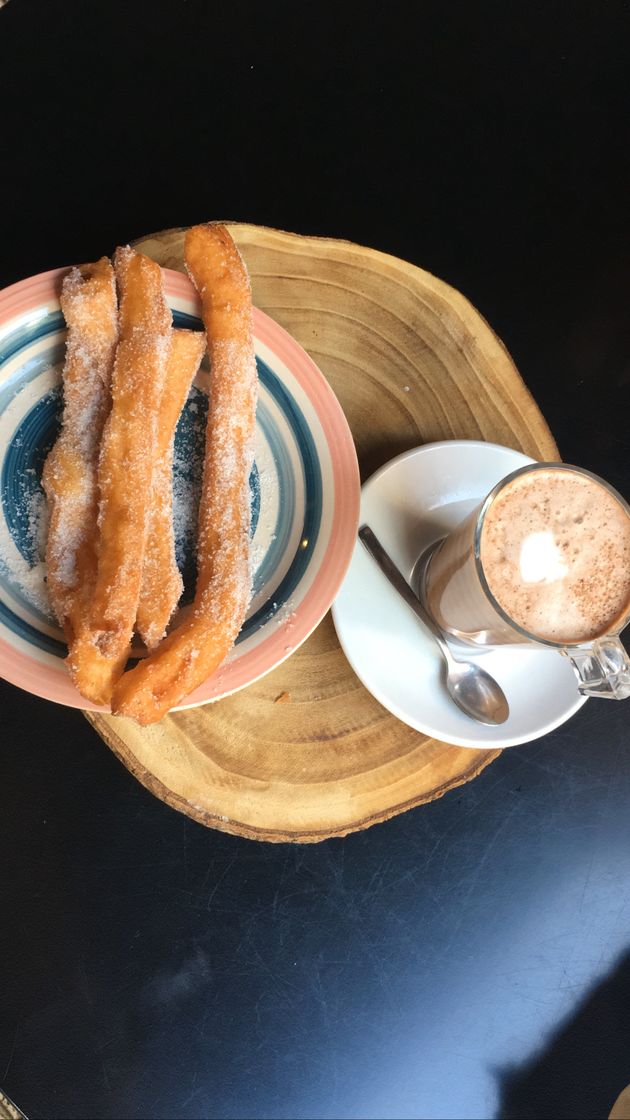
point(474, 691)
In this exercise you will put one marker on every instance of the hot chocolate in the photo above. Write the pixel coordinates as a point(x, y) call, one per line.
point(555, 552)
point(552, 546)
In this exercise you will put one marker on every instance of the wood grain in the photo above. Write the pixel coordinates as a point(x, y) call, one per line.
point(8, 1111)
point(307, 753)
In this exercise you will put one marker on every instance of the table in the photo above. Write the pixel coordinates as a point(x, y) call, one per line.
point(469, 958)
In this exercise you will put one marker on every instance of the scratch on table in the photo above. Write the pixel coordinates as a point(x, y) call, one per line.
point(475, 879)
point(185, 847)
point(586, 882)
point(457, 823)
point(106, 1080)
point(222, 876)
point(194, 1091)
point(319, 993)
point(12, 1051)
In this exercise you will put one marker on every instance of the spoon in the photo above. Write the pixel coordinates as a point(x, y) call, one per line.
point(473, 689)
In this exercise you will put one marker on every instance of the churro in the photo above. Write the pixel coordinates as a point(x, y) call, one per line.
point(161, 586)
point(88, 301)
point(197, 647)
point(125, 475)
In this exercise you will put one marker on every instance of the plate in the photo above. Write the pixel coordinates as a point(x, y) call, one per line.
point(411, 502)
point(304, 488)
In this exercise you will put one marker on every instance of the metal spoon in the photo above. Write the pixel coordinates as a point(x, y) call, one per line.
point(472, 688)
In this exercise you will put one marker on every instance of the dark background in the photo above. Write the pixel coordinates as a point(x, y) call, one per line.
point(468, 959)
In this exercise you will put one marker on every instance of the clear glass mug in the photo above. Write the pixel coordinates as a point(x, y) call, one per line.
point(456, 593)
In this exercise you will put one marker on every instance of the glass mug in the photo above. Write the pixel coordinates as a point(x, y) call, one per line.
point(456, 589)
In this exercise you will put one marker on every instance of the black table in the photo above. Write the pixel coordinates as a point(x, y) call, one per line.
point(470, 958)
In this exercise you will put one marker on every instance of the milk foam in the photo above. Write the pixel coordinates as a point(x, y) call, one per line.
point(555, 550)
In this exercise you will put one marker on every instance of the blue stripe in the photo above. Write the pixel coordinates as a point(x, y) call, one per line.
point(23, 465)
point(28, 334)
point(286, 501)
point(31, 634)
point(185, 321)
point(28, 372)
point(313, 509)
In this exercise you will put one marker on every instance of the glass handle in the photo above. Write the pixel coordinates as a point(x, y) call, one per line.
point(603, 668)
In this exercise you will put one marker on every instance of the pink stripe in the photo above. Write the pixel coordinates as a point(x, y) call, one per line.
point(37, 291)
point(47, 679)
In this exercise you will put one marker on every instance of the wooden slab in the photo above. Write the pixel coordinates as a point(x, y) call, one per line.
point(307, 753)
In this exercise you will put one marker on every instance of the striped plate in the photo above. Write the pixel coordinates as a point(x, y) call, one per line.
point(304, 488)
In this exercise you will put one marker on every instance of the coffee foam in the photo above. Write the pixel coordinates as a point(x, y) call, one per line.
point(555, 551)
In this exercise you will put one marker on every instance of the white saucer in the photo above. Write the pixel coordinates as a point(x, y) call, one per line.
point(410, 503)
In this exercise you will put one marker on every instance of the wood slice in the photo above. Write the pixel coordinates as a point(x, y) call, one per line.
point(307, 753)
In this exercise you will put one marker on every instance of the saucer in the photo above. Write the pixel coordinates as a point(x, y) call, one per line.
point(410, 503)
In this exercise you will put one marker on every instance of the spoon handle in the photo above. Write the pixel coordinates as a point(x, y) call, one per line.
point(371, 542)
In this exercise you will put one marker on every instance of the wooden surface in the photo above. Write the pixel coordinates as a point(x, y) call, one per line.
point(307, 753)
point(8, 1110)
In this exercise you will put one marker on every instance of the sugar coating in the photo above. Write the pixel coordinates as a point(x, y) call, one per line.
point(30, 577)
point(555, 550)
point(161, 585)
point(88, 301)
point(128, 449)
point(186, 496)
point(224, 521)
point(197, 646)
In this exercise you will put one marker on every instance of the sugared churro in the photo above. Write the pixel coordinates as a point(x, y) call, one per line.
point(198, 646)
point(161, 582)
point(125, 474)
point(88, 301)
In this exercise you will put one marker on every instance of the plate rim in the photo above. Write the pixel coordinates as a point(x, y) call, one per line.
point(42, 290)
